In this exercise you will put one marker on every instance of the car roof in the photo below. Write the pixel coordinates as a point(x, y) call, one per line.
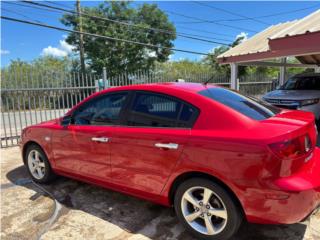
point(179, 86)
point(311, 74)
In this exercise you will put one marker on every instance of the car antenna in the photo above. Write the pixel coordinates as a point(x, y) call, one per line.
point(207, 81)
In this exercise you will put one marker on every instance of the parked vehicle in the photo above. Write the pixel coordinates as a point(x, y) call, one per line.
point(300, 92)
point(218, 157)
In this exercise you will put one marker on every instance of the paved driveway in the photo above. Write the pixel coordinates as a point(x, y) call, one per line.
point(68, 209)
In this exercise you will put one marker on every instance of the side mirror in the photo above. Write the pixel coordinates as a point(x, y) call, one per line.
point(66, 120)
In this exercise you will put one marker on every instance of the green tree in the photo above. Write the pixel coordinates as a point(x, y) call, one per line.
point(39, 72)
point(119, 56)
point(216, 66)
point(184, 69)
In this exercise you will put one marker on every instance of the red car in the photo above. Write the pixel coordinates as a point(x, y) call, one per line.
point(217, 156)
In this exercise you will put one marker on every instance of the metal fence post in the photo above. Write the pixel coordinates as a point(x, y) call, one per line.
point(283, 69)
point(104, 77)
point(96, 84)
point(234, 84)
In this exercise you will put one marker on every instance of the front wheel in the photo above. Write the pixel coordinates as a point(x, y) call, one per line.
point(207, 210)
point(38, 165)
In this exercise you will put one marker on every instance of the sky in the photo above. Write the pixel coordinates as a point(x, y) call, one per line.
point(28, 42)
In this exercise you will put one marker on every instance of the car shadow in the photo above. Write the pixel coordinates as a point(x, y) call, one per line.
point(132, 214)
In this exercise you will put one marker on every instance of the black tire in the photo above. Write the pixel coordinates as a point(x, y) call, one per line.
point(48, 175)
point(234, 213)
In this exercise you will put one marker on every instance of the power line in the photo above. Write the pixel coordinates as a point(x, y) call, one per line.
point(257, 17)
point(204, 31)
point(49, 10)
point(20, 14)
point(22, 5)
point(26, 17)
point(101, 36)
point(288, 12)
point(195, 30)
point(229, 12)
point(209, 21)
point(58, 4)
point(103, 25)
point(167, 32)
point(184, 35)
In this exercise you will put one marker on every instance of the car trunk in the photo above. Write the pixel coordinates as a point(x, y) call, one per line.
point(294, 143)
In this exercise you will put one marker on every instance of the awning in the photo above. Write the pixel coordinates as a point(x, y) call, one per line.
point(298, 38)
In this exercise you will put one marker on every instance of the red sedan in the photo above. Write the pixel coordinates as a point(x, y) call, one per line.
point(217, 156)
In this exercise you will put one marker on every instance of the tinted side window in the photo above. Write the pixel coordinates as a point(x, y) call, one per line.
point(104, 110)
point(158, 110)
point(250, 107)
point(188, 116)
point(302, 83)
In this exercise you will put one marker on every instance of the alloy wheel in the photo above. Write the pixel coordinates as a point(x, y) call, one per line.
point(204, 210)
point(36, 164)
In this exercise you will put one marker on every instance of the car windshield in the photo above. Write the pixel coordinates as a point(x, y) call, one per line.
point(302, 83)
point(251, 107)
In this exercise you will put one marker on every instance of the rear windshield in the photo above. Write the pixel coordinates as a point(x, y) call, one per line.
point(251, 107)
point(302, 83)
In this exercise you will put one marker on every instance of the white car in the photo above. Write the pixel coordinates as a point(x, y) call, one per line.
point(301, 92)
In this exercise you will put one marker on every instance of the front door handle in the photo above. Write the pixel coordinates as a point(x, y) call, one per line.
point(100, 139)
point(167, 145)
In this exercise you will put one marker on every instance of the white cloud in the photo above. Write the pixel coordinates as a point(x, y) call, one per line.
point(66, 46)
point(55, 52)
point(63, 50)
point(4, 52)
point(244, 35)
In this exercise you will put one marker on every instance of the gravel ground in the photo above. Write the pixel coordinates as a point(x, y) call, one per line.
point(68, 209)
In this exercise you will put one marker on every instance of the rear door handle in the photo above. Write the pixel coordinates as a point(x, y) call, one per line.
point(100, 139)
point(167, 145)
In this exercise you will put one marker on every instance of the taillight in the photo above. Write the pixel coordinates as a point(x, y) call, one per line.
point(291, 149)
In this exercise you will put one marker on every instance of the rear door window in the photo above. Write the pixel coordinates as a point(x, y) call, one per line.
point(160, 110)
point(253, 108)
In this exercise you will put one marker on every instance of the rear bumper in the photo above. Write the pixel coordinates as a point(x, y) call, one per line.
point(298, 196)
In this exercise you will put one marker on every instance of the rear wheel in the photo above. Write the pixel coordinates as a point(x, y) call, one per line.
point(207, 210)
point(38, 165)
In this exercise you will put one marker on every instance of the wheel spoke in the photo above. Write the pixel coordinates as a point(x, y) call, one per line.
point(206, 195)
point(209, 225)
point(191, 199)
point(36, 155)
point(192, 216)
point(40, 174)
point(41, 164)
point(221, 213)
point(32, 167)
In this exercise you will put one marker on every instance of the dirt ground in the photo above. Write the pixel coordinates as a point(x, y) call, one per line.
point(67, 209)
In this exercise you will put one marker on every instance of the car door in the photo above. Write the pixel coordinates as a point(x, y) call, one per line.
point(146, 148)
point(83, 146)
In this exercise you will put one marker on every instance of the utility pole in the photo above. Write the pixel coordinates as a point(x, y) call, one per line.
point(82, 64)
